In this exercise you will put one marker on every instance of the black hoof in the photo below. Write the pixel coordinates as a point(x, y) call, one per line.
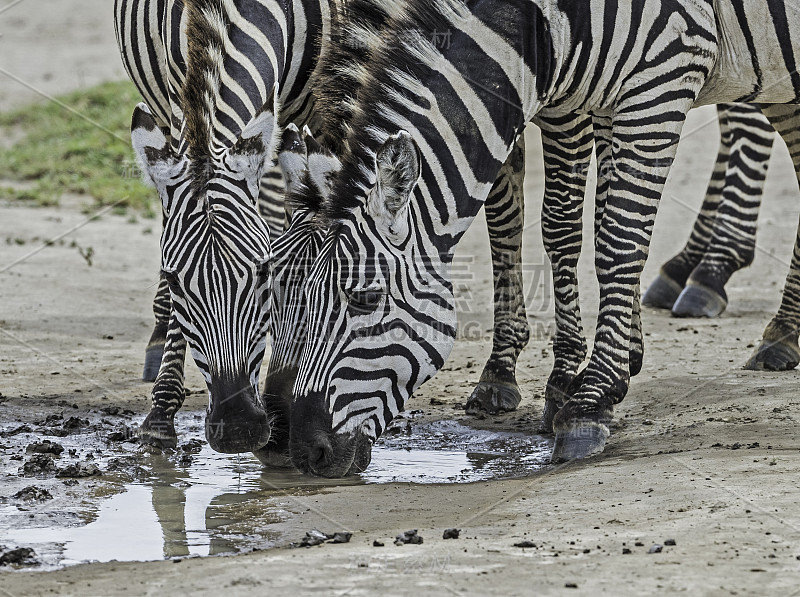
point(662, 293)
point(699, 301)
point(158, 430)
point(579, 441)
point(548, 414)
point(493, 398)
point(152, 362)
point(774, 356)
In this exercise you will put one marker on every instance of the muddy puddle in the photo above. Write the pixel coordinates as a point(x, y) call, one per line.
point(196, 502)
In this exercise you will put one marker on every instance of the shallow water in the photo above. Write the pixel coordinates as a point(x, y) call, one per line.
point(221, 503)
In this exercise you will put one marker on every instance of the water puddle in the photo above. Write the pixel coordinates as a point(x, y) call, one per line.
point(206, 503)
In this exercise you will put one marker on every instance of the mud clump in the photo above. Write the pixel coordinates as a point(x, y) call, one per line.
point(525, 544)
point(116, 411)
point(39, 465)
point(45, 447)
point(79, 469)
point(408, 538)
point(21, 556)
point(193, 446)
point(124, 433)
point(315, 537)
point(17, 431)
point(451, 533)
point(67, 427)
point(31, 493)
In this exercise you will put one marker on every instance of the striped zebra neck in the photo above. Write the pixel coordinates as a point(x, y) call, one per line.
point(395, 75)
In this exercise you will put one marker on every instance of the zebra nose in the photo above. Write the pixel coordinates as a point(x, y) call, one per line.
point(320, 453)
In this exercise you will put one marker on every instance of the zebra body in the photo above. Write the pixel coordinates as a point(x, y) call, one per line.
point(428, 131)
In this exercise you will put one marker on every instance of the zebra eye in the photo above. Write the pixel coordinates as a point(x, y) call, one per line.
point(264, 269)
point(174, 282)
point(364, 302)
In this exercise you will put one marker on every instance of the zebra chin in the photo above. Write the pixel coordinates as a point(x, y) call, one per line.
point(236, 420)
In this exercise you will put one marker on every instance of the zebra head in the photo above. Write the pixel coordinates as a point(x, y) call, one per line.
point(215, 249)
point(380, 317)
point(306, 168)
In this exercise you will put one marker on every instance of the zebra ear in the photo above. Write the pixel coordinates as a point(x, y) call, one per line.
point(322, 164)
point(155, 157)
point(293, 158)
point(397, 170)
point(257, 142)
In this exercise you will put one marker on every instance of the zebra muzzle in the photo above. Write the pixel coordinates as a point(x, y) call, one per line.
point(236, 420)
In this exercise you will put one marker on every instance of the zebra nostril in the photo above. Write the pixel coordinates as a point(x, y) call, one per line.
point(320, 453)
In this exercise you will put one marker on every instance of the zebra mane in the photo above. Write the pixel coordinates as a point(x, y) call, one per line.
point(306, 194)
point(369, 45)
point(206, 28)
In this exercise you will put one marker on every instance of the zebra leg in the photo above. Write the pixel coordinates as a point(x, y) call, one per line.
point(733, 239)
point(671, 279)
point(168, 394)
point(778, 349)
point(567, 143)
point(162, 306)
point(636, 176)
point(498, 391)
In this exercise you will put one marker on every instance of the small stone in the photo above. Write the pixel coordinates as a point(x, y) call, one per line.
point(525, 543)
point(21, 556)
point(39, 464)
point(377, 543)
point(571, 585)
point(451, 533)
point(193, 446)
point(655, 549)
point(626, 551)
point(341, 537)
point(314, 537)
point(32, 493)
point(638, 544)
point(45, 447)
point(669, 542)
point(79, 469)
point(409, 537)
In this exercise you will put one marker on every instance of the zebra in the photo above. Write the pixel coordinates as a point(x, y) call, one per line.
point(723, 238)
point(427, 132)
point(205, 144)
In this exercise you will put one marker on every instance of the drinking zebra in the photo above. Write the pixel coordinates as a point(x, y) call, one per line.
point(216, 73)
point(154, 48)
point(427, 133)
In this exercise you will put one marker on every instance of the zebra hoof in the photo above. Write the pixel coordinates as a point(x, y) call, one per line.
point(158, 430)
point(152, 362)
point(579, 441)
point(662, 293)
point(774, 356)
point(699, 301)
point(548, 414)
point(493, 398)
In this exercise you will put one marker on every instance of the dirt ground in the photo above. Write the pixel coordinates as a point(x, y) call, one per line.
point(702, 452)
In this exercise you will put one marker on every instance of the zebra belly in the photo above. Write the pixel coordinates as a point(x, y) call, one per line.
point(758, 46)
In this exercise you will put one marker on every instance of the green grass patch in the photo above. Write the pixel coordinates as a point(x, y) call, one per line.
point(61, 152)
